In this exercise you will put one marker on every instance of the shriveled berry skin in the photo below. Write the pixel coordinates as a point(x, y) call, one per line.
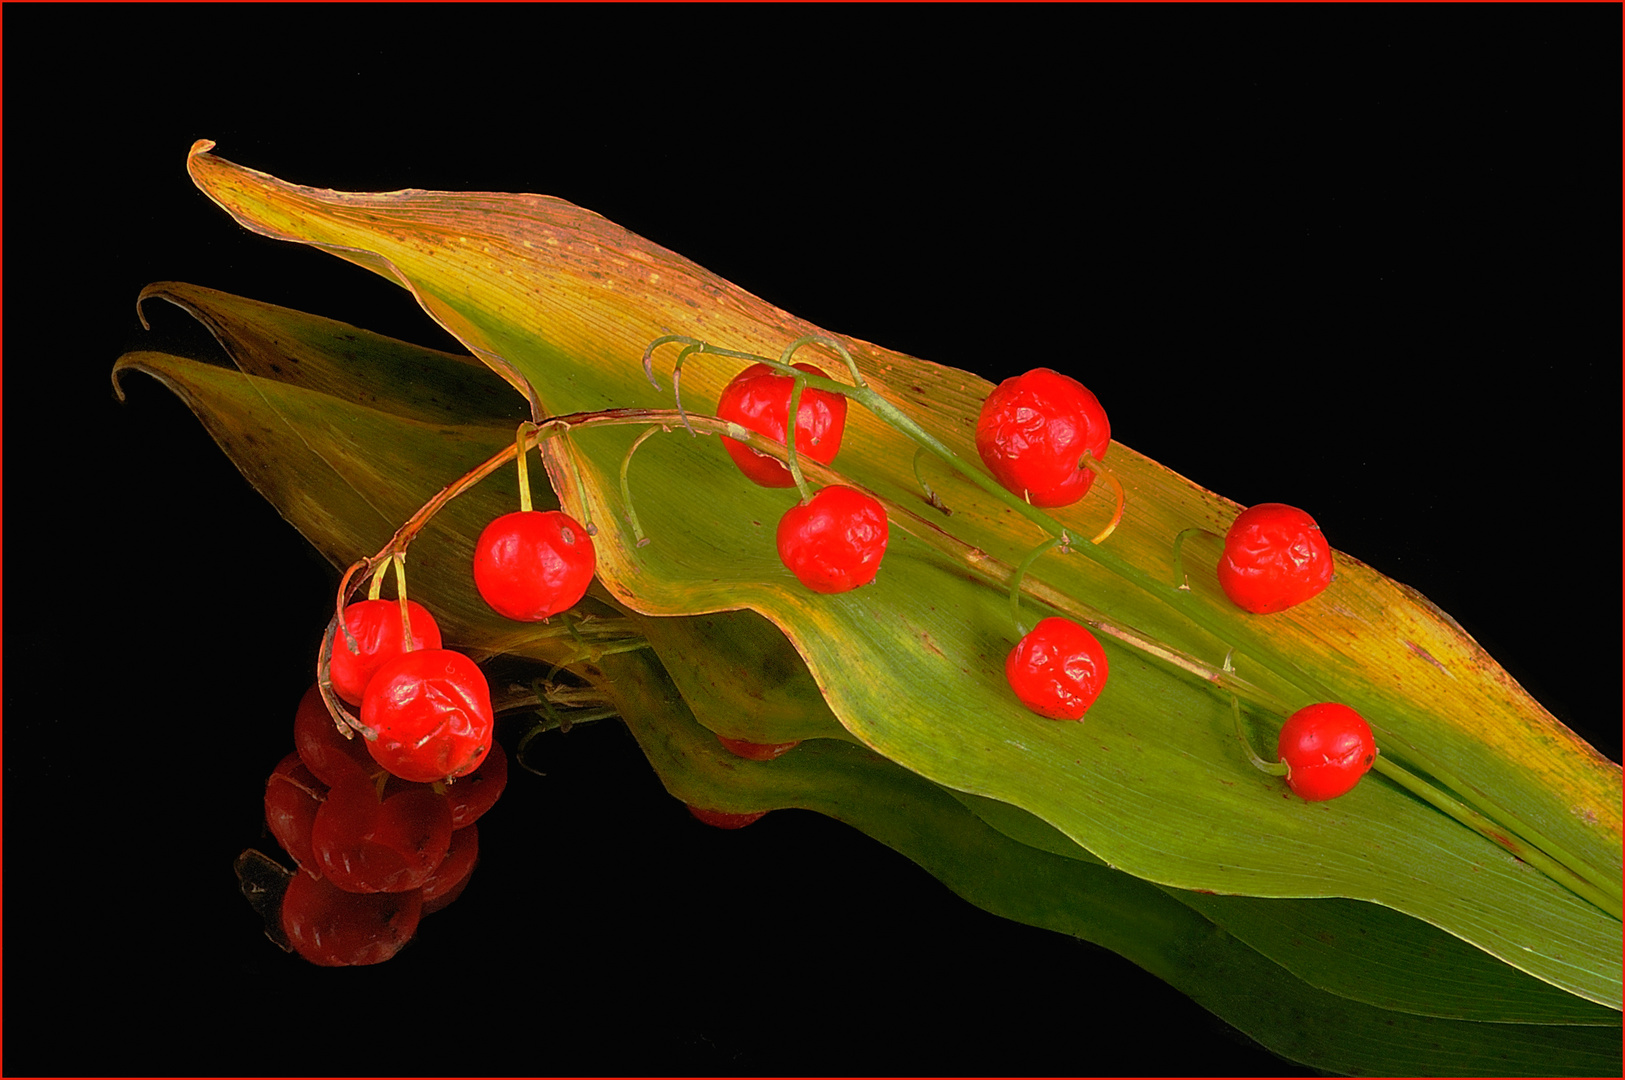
point(532, 564)
point(1275, 557)
point(834, 542)
point(376, 627)
point(1034, 429)
point(1057, 670)
point(758, 398)
point(432, 712)
point(1327, 747)
point(333, 928)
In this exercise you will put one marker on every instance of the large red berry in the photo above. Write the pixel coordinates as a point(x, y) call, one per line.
point(362, 843)
point(376, 626)
point(1057, 670)
point(758, 398)
point(333, 928)
point(1274, 557)
point(432, 712)
point(1033, 431)
point(834, 541)
point(532, 564)
point(1327, 748)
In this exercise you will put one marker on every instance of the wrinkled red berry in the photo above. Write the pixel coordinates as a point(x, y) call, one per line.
point(1327, 747)
point(376, 625)
point(365, 844)
point(432, 712)
point(758, 398)
point(1033, 431)
point(1274, 558)
point(333, 928)
point(722, 819)
point(532, 564)
point(834, 541)
point(1057, 670)
point(757, 751)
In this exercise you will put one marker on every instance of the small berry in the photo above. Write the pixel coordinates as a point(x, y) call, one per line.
point(333, 928)
point(1275, 557)
point(328, 755)
point(1327, 748)
point(758, 398)
point(432, 712)
point(376, 626)
point(834, 541)
point(722, 819)
point(1057, 670)
point(754, 751)
point(532, 564)
point(1033, 431)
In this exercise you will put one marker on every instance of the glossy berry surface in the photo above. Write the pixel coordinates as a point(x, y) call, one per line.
point(1274, 558)
point(376, 627)
point(532, 564)
point(451, 876)
point(293, 795)
point(333, 928)
point(472, 795)
point(834, 542)
point(724, 820)
point(1328, 747)
point(1057, 670)
point(1034, 429)
point(758, 398)
point(328, 755)
point(432, 712)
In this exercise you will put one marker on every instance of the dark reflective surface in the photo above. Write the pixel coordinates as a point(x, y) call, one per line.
point(1337, 282)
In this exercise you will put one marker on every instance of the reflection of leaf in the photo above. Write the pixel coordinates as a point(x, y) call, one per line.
point(561, 303)
point(310, 449)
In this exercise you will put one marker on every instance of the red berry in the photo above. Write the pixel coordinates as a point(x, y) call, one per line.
point(834, 541)
point(432, 712)
point(333, 928)
point(532, 564)
point(1057, 670)
point(758, 398)
point(757, 751)
point(724, 820)
point(1327, 747)
point(472, 795)
point(327, 754)
point(1033, 431)
point(376, 625)
point(365, 844)
point(1274, 558)
point(293, 795)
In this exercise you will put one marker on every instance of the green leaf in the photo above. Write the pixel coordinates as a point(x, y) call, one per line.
point(736, 664)
point(561, 303)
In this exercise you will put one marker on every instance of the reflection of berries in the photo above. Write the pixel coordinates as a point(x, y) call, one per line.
point(451, 876)
point(757, 751)
point(366, 844)
point(334, 928)
point(376, 625)
point(432, 712)
point(758, 398)
point(532, 564)
point(724, 820)
point(292, 797)
point(474, 794)
point(327, 754)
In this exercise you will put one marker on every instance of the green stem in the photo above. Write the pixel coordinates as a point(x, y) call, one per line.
point(790, 436)
point(1021, 572)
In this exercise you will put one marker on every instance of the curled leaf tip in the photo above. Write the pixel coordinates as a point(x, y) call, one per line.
point(202, 146)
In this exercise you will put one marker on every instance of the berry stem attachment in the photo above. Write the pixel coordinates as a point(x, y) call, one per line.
point(398, 560)
point(1182, 578)
point(1063, 542)
point(1278, 768)
point(793, 462)
point(347, 724)
point(526, 429)
point(931, 496)
point(626, 488)
point(1088, 462)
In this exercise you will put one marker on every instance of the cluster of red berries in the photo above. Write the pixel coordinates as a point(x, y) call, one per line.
point(834, 541)
point(375, 852)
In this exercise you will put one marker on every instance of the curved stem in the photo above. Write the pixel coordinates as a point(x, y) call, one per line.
point(626, 487)
point(790, 436)
point(1276, 768)
point(1021, 572)
point(398, 560)
point(1184, 582)
point(525, 430)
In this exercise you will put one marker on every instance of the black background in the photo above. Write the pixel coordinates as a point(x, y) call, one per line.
point(1361, 261)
